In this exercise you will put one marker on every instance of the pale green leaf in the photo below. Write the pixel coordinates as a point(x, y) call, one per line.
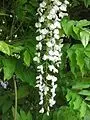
point(87, 98)
point(83, 109)
point(85, 37)
point(85, 92)
point(27, 58)
point(4, 47)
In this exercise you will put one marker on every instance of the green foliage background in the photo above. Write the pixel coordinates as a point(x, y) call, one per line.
point(17, 49)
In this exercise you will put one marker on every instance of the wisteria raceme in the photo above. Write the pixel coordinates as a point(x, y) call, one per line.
point(49, 45)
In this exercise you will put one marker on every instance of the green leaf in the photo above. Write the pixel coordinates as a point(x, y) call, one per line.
point(83, 109)
point(87, 53)
point(77, 31)
point(45, 117)
point(66, 113)
point(29, 116)
point(22, 92)
point(9, 67)
point(27, 58)
point(85, 37)
point(18, 116)
point(83, 23)
point(4, 47)
point(16, 49)
point(67, 26)
point(25, 74)
point(81, 85)
point(6, 106)
point(55, 115)
point(87, 3)
point(87, 62)
point(72, 58)
point(87, 98)
point(80, 60)
point(23, 115)
point(85, 92)
point(77, 102)
point(87, 115)
point(22, 2)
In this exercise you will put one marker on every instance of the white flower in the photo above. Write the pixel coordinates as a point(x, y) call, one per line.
point(56, 36)
point(39, 38)
point(54, 79)
point(52, 40)
point(49, 77)
point(42, 110)
point(53, 11)
point(48, 110)
point(53, 69)
point(15, 36)
point(39, 12)
point(51, 53)
point(56, 53)
point(39, 46)
point(54, 87)
point(4, 84)
point(39, 77)
point(3, 22)
point(11, 16)
point(51, 58)
point(45, 57)
point(47, 113)
point(49, 44)
point(56, 8)
point(61, 14)
point(56, 31)
point(52, 27)
point(52, 102)
point(57, 2)
point(41, 102)
point(41, 95)
point(40, 69)
point(66, 2)
point(36, 59)
point(37, 54)
point(46, 89)
point(37, 25)
point(42, 19)
point(0, 30)
point(63, 7)
point(41, 88)
point(43, 4)
point(49, 17)
point(57, 24)
point(44, 31)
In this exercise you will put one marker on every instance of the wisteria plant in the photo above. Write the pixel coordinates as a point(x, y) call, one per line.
point(45, 60)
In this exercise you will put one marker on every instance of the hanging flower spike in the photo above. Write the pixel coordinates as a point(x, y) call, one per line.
point(49, 45)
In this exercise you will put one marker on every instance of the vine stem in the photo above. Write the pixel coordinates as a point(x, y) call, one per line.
point(15, 88)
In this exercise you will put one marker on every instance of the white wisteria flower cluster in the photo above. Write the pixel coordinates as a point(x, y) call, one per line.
point(49, 45)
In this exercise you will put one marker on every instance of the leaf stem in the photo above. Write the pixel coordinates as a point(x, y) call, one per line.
point(15, 88)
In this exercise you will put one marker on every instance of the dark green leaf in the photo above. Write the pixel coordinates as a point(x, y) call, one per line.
point(9, 67)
